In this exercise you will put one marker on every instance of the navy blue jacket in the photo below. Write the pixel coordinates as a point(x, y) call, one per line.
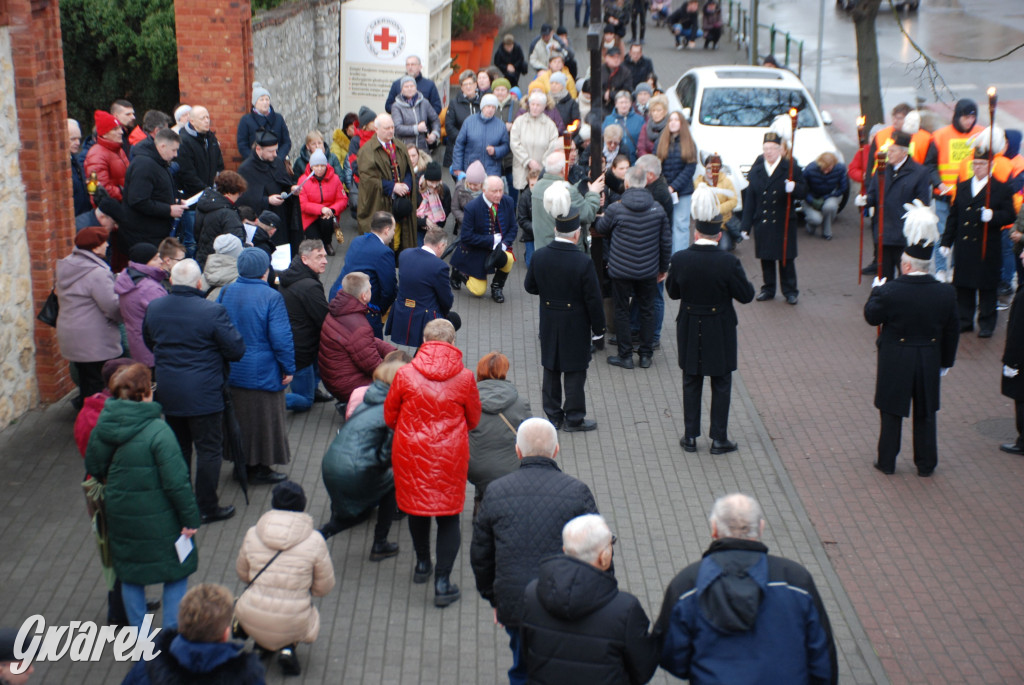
point(252, 122)
point(743, 616)
point(423, 85)
point(424, 294)
point(678, 174)
point(259, 314)
point(192, 340)
point(631, 125)
point(200, 663)
point(371, 256)
point(477, 235)
point(79, 188)
point(821, 185)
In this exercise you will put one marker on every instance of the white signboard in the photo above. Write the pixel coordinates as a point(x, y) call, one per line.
point(376, 38)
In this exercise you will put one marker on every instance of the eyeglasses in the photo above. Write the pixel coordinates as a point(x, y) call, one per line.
point(615, 538)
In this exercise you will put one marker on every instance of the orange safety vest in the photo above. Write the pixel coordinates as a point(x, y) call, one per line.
point(953, 149)
point(918, 149)
point(1002, 171)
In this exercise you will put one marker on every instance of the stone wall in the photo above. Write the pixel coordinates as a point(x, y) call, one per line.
point(297, 52)
point(17, 350)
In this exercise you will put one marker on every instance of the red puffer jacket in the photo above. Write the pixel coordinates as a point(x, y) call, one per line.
point(432, 405)
point(349, 353)
point(110, 163)
point(319, 193)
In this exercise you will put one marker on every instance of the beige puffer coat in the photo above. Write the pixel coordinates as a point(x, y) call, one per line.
point(277, 610)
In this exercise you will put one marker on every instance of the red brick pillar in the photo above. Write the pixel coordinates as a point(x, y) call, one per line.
point(215, 63)
point(45, 169)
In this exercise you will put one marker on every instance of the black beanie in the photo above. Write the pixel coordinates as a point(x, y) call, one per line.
point(289, 496)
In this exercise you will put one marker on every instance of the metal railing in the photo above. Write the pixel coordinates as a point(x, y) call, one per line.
point(739, 26)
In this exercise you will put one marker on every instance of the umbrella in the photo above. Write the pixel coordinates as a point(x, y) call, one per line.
point(233, 450)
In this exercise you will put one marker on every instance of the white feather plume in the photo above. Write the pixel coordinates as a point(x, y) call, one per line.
point(783, 126)
point(557, 201)
point(704, 204)
point(912, 122)
point(920, 224)
point(979, 141)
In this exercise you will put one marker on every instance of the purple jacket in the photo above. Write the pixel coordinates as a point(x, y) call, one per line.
point(87, 324)
point(136, 287)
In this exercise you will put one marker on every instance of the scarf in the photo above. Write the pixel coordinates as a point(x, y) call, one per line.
point(430, 207)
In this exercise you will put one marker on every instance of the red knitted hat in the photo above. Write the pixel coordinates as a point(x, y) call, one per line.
point(105, 122)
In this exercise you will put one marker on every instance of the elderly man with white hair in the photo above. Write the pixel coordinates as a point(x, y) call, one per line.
point(533, 136)
point(741, 615)
point(387, 183)
point(577, 623)
point(519, 523)
point(485, 247)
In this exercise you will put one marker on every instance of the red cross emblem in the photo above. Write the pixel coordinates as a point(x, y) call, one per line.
point(385, 39)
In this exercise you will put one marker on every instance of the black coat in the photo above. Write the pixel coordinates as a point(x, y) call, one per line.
point(192, 340)
point(516, 58)
point(424, 294)
point(149, 192)
point(764, 208)
point(1013, 354)
point(578, 627)
point(199, 161)
point(524, 215)
point(964, 231)
point(901, 187)
point(661, 194)
point(920, 332)
point(215, 216)
point(642, 70)
point(197, 663)
point(621, 79)
point(640, 235)
point(252, 122)
point(706, 280)
point(266, 179)
point(519, 523)
point(307, 308)
point(571, 307)
point(568, 109)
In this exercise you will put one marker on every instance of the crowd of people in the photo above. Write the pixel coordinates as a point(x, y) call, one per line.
point(183, 337)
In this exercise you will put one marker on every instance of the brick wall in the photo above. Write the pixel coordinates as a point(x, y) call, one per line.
point(215, 64)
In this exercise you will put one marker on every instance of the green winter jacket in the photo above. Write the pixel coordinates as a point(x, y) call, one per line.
point(148, 495)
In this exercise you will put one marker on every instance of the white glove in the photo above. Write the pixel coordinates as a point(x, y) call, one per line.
point(790, 186)
point(943, 371)
point(503, 248)
point(871, 211)
point(497, 239)
point(878, 281)
point(746, 236)
point(861, 201)
point(1009, 371)
point(945, 251)
point(986, 214)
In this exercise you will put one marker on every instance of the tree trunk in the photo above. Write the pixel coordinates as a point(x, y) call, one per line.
point(864, 14)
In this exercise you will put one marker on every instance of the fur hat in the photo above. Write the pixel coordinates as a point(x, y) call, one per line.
point(705, 210)
point(557, 200)
point(91, 237)
point(366, 115)
point(258, 91)
point(227, 244)
point(105, 122)
point(253, 263)
point(476, 173)
point(920, 229)
point(141, 253)
point(288, 496)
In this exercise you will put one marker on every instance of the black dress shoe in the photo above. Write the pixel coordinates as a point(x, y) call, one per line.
point(645, 361)
point(422, 571)
point(152, 605)
point(557, 423)
point(455, 278)
point(582, 426)
point(497, 295)
point(879, 467)
point(764, 296)
point(925, 473)
point(688, 444)
point(382, 550)
point(723, 446)
point(218, 514)
point(966, 328)
point(871, 268)
point(985, 333)
point(623, 363)
point(445, 592)
point(264, 475)
point(329, 249)
point(1012, 448)
point(289, 662)
point(790, 299)
point(321, 396)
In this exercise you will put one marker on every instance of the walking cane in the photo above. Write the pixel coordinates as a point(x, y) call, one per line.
point(988, 186)
point(861, 120)
point(789, 196)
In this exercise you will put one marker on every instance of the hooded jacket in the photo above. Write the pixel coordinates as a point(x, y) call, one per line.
point(220, 270)
point(215, 216)
point(349, 352)
point(432, 405)
point(743, 616)
point(198, 663)
point(641, 237)
point(149, 192)
point(943, 157)
point(307, 306)
point(579, 628)
point(136, 287)
point(408, 115)
point(258, 313)
point(89, 314)
point(492, 444)
point(277, 609)
point(318, 193)
point(357, 465)
point(148, 495)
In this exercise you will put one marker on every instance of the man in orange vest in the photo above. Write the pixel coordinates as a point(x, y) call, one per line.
point(949, 147)
point(909, 121)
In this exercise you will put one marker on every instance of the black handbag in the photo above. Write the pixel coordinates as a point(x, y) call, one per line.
point(401, 208)
point(50, 310)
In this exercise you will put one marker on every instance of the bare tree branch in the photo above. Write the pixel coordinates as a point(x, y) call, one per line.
point(983, 59)
point(929, 69)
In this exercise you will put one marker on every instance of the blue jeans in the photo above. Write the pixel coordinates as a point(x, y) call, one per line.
point(942, 211)
point(689, 34)
point(302, 389)
point(659, 314)
point(585, 4)
point(681, 223)
point(528, 252)
point(134, 597)
point(186, 232)
point(516, 674)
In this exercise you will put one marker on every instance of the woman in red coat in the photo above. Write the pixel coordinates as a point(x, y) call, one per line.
point(321, 199)
point(432, 405)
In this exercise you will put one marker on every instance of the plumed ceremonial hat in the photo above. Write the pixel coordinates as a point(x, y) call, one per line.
point(920, 229)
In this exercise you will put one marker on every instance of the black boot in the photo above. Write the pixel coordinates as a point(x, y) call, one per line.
point(455, 279)
point(497, 283)
point(289, 662)
point(382, 550)
point(421, 573)
point(445, 591)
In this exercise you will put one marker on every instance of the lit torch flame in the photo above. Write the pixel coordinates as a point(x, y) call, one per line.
point(573, 126)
